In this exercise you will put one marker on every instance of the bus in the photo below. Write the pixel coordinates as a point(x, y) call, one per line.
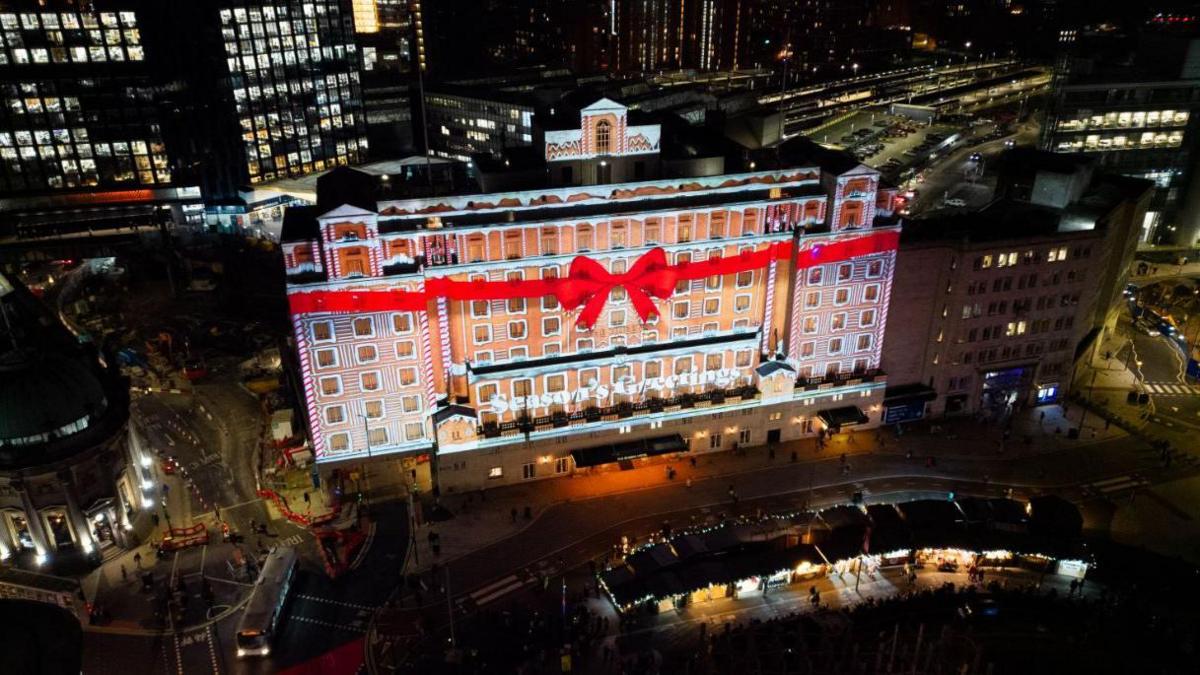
point(264, 611)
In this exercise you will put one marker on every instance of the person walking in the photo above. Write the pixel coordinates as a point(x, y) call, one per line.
point(137, 559)
point(124, 574)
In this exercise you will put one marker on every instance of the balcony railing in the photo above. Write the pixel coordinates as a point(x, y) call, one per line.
point(840, 380)
point(650, 406)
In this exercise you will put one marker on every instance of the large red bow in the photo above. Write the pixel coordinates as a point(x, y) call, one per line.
point(589, 284)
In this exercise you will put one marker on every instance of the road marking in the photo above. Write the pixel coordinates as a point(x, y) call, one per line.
point(178, 655)
point(496, 591)
point(1172, 389)
point(1119, 484)
point(327, 624)
point(340, 603)
point(212, 651)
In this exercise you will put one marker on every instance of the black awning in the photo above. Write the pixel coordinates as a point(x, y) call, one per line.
point(843, 416)
point(908, 393)
point(646, 447)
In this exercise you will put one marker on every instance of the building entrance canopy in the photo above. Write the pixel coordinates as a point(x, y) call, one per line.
point(618, 452)
point(843, 416)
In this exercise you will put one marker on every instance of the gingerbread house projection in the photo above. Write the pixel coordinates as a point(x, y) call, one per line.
point(530, 334)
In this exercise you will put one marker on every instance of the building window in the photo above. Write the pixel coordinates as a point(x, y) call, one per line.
point(562, 464)
point(549, 242)
point(335, 414)
point(681, 310)
point(583, 238)
point(402, 324)
point(326, 358)
point(603, 137)
point(864, 342)
point(845, 271)
point(481, 309)
point(744, 436)
point(652, 369)
point(496, 472)
point(874, 269)
point(712, 306)
point(410, 404)
point(369, 381)
point(812, 299)
point(807, 349)
point(835, 346)
point(714, 361)
point(529, 470)
point(683, 366)
point(811, 324)
point(871, 293)
point(744, 358)
point(373, 409)
point(405, 350)
point(414, 431)
point(331, 386)
point(363, 327)
point(408, 376)
point(377, 436)
point(322, 331)
point(815, 275)
point(714, 442)
point(516, 330)
point(841, 296)
point(616, 318)
point(339, 442)
point(866, 318)
point(367, 354)
point(551, 326)
point(838, 321)
point(482, 334)
point(744, 279)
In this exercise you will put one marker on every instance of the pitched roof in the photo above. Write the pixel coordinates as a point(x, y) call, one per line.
point(454, 410)
point(772, 367)
point(346, 211)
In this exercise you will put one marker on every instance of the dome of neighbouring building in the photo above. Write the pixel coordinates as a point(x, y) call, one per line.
point(45, 396)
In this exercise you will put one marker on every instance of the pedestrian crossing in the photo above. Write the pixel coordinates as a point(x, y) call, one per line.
point(1101, 488)
point(1172, 389)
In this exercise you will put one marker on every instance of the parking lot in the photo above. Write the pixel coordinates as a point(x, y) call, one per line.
point(898, 146)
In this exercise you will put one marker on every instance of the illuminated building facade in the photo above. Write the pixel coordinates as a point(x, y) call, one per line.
point(1001, 303)
point(62, 132)
point(1131, 99)
point(466, 121)
point(293, 70)
point(528, 334)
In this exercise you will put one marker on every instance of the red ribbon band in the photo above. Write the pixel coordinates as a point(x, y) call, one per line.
point(588, 284)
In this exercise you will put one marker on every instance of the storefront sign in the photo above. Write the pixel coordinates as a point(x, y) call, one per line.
point(904, 412)
point(626, 386)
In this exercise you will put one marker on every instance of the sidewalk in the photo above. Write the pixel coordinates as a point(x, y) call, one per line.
point(483, 518)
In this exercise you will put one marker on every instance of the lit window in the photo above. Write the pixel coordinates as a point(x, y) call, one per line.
point(370, 381)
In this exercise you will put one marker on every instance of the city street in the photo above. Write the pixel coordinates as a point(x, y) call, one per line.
point(567, 535)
